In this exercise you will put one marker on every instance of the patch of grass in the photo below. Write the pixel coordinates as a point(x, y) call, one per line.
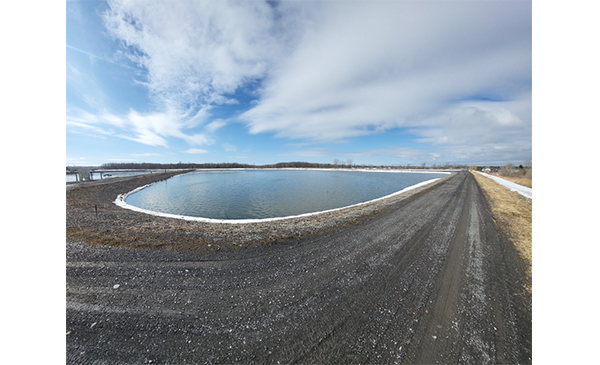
point(513, 215)
point(88, 234)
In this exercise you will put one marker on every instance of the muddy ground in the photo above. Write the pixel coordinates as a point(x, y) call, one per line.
point(424, 279)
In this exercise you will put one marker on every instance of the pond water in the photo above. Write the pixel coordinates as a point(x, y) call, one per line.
point(258, 194)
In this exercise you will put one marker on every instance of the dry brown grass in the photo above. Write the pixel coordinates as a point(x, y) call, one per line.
point(519, 180)
point(513, 215)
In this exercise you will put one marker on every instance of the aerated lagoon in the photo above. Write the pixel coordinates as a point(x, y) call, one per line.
point(261, 194)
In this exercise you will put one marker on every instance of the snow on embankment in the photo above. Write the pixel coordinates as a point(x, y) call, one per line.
point(523, 190)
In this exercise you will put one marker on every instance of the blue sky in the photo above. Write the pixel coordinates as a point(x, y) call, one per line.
point(384, 82)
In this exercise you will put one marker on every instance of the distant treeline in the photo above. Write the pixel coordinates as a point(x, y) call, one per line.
point(170, 166)
point(235, 165)
point(508, 170)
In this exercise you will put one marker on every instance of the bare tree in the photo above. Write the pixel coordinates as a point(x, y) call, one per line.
point(528, 168)
point(507, 170)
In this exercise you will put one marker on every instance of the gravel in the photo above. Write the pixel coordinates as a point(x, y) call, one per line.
point(429, 279)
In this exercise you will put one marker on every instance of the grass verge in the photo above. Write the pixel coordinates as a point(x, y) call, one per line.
point(513, 215)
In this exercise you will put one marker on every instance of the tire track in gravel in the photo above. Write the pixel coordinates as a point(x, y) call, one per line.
point(378, 292)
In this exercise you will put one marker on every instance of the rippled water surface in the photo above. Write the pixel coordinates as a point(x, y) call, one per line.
point(255, 194)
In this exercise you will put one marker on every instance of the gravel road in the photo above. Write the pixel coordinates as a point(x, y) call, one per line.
point(428, 279)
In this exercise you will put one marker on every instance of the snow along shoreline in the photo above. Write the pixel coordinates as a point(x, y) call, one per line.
point(120, 201)
point(523, 190)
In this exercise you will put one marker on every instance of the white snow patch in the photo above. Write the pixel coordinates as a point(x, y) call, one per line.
point(523, 190)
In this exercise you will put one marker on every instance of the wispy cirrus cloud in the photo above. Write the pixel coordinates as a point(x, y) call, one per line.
point(151, 129)
point(91, 55)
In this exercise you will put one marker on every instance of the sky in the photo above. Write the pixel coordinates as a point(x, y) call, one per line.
point(255, 82)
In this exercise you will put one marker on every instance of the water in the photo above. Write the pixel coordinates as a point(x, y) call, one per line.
point(256, 194)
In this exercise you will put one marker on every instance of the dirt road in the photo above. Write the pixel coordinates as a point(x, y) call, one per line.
point(427, 280)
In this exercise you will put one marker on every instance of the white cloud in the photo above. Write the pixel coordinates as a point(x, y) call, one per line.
point(196, 54)
point(367, 67)
point(216, 125)
point(151, 129)
point(98, 132)
point(93, 56)
point(329, 71)
point(480, 131)
point(145, 154)
point(196, 151)
point(412, 155)
point(195, 51)
point(85, 86)
point(146, 137)
point(229, 147)
point(75, 161)
point(312, 152)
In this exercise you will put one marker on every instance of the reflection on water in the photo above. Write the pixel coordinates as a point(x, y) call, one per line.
point(255, 194)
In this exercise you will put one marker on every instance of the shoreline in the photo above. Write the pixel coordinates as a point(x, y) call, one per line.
point(94, 217)
point(121, 202)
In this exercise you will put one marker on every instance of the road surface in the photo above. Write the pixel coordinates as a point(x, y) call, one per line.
point(427, 280)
